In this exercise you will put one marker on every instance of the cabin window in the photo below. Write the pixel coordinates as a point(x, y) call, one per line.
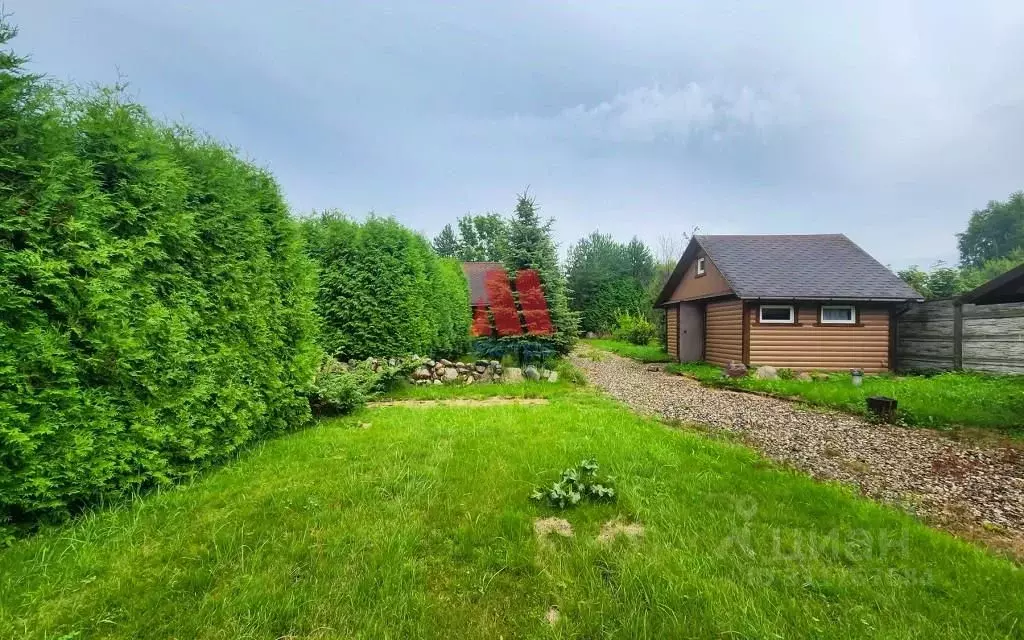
point(838, 314)
point(700, 266)
point(777, 314)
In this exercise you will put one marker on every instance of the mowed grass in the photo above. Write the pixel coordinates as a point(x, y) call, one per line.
point(948, 399)
point(643, 353)
point(419, 525)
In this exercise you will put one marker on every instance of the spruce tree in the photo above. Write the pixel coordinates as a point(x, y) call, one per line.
point(445, 243)
point(530, 246)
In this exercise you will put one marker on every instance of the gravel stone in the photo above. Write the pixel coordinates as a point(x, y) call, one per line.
point(961, 486)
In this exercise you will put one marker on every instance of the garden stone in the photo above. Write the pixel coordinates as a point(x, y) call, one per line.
point(531, 373)
point(480, 368)
point(553, 376)
point(450, 373)
point(437, 382)
point(446, 363)
point(421, 373)
point(819, 377)
point(735, 370)
point(591, 335)
point(469, 380)
point(512, 374)
point(805, 377)
point(495, 364)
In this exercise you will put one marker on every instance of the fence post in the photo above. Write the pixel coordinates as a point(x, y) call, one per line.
point(958, 335)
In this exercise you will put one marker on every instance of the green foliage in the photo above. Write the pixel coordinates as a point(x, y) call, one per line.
point(993, 232)
point(518, 350)
point(606, 276)
point(530, 246)
point(383, 291)
point(643, 353)
point(155, 301)
point(445, 243)
point(953, 398)
point(339, 388)
point(453, 315)
point(948, 282)
point(480, 238)
point(634, 328)
point(977, 276)
point(575, 485)
point(940, 282)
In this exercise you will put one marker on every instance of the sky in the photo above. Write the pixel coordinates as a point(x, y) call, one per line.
point(887, 121)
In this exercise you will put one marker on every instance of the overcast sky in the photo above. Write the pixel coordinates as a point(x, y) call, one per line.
point(887, 121)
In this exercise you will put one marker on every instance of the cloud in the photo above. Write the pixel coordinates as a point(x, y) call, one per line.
point(656, 113)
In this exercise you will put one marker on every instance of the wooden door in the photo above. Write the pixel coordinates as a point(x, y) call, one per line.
point(691, 332)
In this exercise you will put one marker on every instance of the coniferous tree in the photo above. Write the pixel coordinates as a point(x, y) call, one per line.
point(530, 246)
point(445, 243)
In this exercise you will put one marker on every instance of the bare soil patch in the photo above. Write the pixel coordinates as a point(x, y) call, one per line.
point(544, 527)
point(553, 615)
point(619, 527)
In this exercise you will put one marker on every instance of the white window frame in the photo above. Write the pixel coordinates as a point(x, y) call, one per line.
point(853, 314)
point(792, 313)
point(701, 269)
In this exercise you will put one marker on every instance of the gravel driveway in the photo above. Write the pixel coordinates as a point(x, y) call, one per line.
point(963, 487)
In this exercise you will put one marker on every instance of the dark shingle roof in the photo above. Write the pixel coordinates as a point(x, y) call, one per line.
point(802, 266)
point(476, 273)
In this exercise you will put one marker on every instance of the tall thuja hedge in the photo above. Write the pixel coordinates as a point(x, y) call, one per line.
point(155, 301)
point(383, 291)
point(450, 302)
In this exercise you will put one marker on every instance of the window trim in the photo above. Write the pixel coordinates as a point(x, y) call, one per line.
point(762, 307)
point(701, 266)
point(853, 314)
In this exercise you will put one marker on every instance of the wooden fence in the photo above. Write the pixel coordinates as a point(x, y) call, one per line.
point(943, 335)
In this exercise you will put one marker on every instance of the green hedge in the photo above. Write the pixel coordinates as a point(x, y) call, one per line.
point(155, 301)
point(384, 292)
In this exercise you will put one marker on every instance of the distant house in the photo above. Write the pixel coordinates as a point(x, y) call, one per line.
point(497, 310)
point(479, 296)
point(796, 301)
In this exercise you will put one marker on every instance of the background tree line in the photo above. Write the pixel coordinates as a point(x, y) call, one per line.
point(992, 244)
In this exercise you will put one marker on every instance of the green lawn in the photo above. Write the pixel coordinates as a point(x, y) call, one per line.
point(643, 353)
point(419, 525)
point(969, 399)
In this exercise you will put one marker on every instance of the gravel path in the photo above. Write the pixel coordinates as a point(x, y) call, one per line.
point(963, 487)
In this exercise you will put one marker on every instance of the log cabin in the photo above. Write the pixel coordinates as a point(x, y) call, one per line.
point(803, 302)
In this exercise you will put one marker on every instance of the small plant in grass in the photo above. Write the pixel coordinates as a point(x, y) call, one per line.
point(575, 485)
point(786, 374)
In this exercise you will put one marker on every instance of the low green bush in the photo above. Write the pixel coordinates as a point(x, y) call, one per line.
point(340, 388)
point(516, 350)
point(634, 328)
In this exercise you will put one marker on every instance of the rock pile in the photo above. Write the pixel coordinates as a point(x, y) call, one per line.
point(448, 372)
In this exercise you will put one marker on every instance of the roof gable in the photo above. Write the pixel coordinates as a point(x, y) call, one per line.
point(826, 267)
